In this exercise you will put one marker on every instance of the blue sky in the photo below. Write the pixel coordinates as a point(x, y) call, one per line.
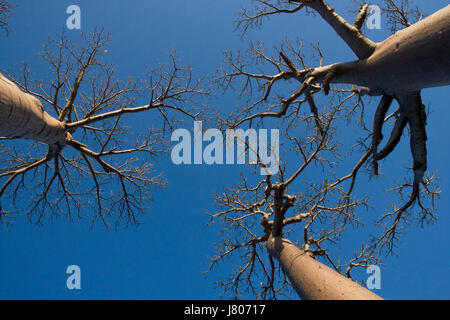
point(165, 257)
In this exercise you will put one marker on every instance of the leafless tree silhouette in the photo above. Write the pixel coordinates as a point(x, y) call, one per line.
point(97, 161)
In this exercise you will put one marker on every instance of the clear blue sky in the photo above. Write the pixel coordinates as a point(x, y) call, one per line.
point(165, 257)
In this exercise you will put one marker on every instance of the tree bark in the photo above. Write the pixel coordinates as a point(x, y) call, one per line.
point(22, 116)
point(360, 45)
point(412, 59)
point(313, 280)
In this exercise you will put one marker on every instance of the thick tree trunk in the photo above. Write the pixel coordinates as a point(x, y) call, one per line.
point(399, 67)
point(22, 116)
point(313, 280)
point(414, 58)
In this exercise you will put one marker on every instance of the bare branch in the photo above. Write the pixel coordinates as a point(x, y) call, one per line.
point(100, 155)
point(5, 11)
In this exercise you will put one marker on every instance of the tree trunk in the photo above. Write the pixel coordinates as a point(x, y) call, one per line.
point(22, 116)
point(414, 58)
point(313, 280)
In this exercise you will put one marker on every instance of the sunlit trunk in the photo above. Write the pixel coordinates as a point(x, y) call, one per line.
point(22, 116)
point(414, 58)
point(313, 280)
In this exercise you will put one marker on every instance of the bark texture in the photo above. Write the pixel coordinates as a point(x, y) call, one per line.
point(412, 59)
point(313, 280)
point(22, 116)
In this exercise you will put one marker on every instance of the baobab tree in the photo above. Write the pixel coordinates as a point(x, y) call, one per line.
point(284, 89)
point(66, 140)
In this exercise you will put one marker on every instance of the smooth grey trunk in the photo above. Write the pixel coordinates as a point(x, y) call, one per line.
point(414, 58)
point(313, 280)
point(361, 46)
point(22, 116)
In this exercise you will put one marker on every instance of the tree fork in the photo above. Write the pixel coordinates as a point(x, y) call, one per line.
point(410, 60)
point(351, 34)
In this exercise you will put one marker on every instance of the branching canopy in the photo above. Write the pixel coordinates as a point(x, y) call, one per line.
point(106, 165)
point(313, 199)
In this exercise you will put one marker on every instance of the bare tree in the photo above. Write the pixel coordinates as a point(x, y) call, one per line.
point(313, 200)
point(94, 161)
